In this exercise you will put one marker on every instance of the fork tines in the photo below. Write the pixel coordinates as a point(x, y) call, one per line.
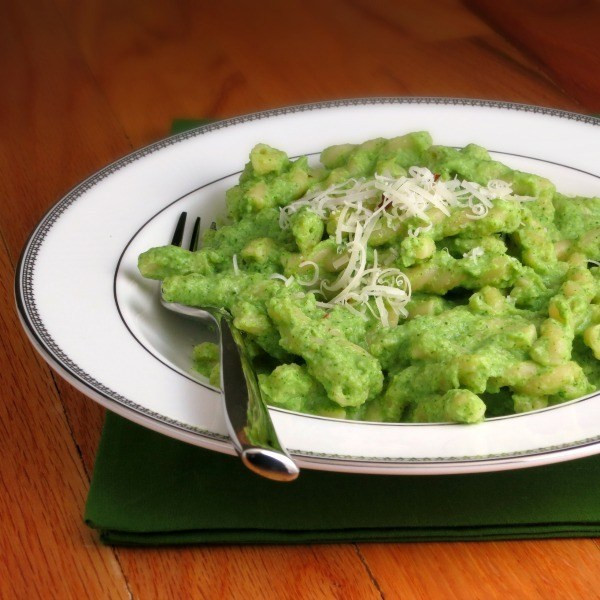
point(180, 228)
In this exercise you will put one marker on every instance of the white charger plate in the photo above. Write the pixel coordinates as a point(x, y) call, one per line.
point(97, 322)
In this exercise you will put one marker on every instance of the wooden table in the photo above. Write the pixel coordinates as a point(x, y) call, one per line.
point(86, 81)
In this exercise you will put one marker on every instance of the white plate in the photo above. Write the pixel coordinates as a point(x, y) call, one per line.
point(98, 323)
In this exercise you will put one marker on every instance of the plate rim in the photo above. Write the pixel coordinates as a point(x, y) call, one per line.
point(52, 353)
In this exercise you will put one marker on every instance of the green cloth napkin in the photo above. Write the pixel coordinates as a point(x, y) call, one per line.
point(148, 489)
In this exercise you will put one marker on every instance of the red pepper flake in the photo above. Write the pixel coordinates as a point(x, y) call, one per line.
point(436, 176)
point(326, 315)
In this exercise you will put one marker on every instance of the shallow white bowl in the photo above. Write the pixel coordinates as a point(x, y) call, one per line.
point(98, 322)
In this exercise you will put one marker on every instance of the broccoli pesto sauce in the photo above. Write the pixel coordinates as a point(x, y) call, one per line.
point(400, 281)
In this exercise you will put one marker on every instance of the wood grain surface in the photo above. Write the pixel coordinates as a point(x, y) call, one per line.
point(85, 81)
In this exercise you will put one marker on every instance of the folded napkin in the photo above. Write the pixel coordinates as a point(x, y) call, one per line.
point(148, 489)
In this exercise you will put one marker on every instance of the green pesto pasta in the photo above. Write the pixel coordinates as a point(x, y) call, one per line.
point(400, 281)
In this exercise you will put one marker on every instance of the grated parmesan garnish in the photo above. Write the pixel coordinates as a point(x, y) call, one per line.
point(315, 278)
point(286, 280)
point(474, 253)
point(379, 289)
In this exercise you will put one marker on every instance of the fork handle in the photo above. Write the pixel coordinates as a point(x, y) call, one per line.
point(248, 420)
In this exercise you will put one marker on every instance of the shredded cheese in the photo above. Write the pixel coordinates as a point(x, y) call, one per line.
point(474, 253)
point(236, 270)
point(315, 278)
point(286, 280)
point(358, 206)
point(324, 304)
point(402, 198)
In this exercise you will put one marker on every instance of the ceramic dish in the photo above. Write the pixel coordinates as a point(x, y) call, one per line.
point(99, 324)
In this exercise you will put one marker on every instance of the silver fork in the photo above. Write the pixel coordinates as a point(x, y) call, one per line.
point(248, 421)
